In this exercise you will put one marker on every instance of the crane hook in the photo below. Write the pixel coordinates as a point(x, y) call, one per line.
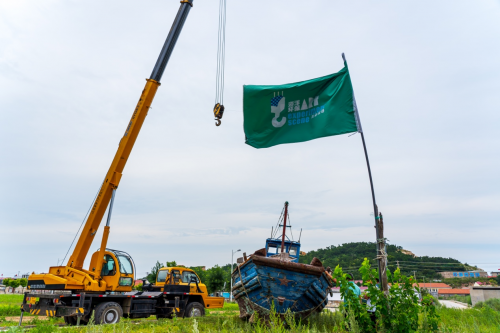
point(218, 112)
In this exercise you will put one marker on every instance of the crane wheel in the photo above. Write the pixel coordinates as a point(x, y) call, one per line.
point(195, 309)
point(108, 313)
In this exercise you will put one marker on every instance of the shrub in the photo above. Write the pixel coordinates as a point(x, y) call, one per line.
point(397, 311)
point(492, 303)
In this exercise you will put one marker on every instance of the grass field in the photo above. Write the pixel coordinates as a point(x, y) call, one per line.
point(11, 299)
point(226, 320)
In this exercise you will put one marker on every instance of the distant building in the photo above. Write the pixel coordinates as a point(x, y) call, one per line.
point(302, 253)
point(469, 274)
point(433, 288)
point(495, 274)
point(453, 292)
point(481, 294)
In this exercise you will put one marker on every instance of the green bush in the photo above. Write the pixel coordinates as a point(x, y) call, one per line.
point(10, 310)
point(397, 311)
point(492, 303)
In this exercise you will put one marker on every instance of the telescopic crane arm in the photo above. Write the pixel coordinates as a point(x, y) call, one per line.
point(112, 180)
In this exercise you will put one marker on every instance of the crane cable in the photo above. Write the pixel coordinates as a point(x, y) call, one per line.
point(221, 57)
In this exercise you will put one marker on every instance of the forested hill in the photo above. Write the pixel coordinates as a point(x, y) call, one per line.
point(350, 256)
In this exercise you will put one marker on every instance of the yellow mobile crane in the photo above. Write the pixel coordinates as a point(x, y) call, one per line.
point(111, 271)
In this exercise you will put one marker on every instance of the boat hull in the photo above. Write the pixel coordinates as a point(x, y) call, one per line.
point(262, 283)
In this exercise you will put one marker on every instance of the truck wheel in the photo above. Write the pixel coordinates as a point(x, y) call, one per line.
point(108, 313)
point(195, 309)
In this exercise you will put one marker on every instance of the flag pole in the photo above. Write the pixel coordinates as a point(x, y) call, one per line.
point(381, 254)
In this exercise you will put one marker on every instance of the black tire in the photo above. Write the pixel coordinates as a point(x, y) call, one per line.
point(195, 309)
point(108, 313)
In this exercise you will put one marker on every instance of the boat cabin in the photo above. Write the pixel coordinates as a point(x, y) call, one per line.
point(273, 247)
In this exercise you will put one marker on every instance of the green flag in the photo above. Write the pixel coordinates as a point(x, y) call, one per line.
point(300, 111)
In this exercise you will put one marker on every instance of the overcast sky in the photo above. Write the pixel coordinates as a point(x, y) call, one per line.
point(426, 76)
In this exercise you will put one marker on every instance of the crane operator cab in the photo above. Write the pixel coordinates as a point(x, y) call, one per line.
point(177, 279)
point(117, 269)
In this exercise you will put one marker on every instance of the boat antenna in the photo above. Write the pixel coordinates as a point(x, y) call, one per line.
point(278, 224)
point(284, 227)
point(290, 225)
point(300, 234)
point(271, 231)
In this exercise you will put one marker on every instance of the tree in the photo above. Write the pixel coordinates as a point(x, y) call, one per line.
point(201, 274)
point(152, 276)
point(498, 279)
point(171, 264)
point(14, 284)
point(23, 282)
point(6, 282)
point(216, 279)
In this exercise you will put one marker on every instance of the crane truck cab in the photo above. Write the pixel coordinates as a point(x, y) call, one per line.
point(184, 293)
point(110, 270)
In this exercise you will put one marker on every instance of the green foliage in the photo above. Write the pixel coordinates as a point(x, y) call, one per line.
point(350, 256)
point(6, 282)
point(215, 279)
point(201, 273)
point(357, 317)
point(154, 270)
point(498, 279)
point(430, 318)
point(225, 320)
point(464, 299)
point(11, 299)
point(492, 303)
point(458, 283)
point(171, 264)
point(397, 311)
point(23, 282)
point(14, 283)
point(10, 310)
point(484, 320)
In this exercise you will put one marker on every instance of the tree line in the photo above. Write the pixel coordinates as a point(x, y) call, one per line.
point(350, 256)
point(14, 283)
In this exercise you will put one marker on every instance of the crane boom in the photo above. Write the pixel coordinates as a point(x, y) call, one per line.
point(127, 142)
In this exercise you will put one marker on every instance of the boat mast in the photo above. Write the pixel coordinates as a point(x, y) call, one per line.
point(284, 227)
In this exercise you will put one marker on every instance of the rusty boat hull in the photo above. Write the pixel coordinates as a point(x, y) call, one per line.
point(261, 282)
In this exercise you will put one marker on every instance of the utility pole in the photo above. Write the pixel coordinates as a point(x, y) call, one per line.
point(231, 290)
point(382, 255)
point(397, 262)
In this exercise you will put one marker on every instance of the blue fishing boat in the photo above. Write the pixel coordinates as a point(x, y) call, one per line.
point(273, 276)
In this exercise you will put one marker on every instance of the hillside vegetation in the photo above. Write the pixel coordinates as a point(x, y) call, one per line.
point(350, 256)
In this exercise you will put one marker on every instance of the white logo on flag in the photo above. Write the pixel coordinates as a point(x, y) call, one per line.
point(277, 106)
